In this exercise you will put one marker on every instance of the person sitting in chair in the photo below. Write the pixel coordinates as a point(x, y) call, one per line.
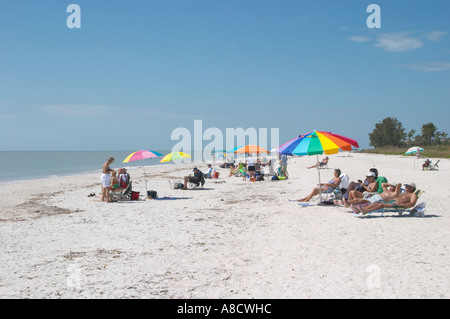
point(407, 199)
point(209, 172)
point(124, 178)
point(197, 179)
point(426, 164)
point(322, 163)
point(325, 187)
point(371, 187)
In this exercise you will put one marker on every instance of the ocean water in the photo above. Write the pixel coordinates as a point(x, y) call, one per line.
point(27, 165)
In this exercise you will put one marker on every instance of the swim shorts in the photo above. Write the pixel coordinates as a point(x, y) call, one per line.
point(106, 180)
point(376, 199)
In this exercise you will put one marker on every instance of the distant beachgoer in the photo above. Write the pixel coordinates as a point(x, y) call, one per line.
point(251, 168)
point(106, 179)
point(233, 169)
point(196, 179)
point(322, 163)
point(283, 166)
point(426, 164)
point(209, 172)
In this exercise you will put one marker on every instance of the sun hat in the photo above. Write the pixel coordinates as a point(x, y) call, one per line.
point(411, 184)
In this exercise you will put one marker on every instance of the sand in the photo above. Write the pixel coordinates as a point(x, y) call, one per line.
point(231, 239)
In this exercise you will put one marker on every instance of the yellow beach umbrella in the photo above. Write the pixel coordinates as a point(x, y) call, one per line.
point(174, 156)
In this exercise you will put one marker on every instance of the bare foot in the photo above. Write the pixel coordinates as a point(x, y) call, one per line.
point(345, 202)
point(362, 210)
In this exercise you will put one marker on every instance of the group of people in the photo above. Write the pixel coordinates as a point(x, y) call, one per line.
point(252, 168)
point(373, 194)
point(112, 180)
point(365, 196)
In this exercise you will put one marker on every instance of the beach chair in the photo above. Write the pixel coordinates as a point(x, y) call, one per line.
point(323, 166)
point(434, 167)
point(337, 193)
point(191, 185)
point(418, 210)
point(121, 195)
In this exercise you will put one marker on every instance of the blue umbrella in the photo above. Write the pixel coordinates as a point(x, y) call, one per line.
point(413, 150)
point(234, 149)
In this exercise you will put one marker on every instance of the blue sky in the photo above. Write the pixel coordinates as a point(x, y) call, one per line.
point(136, 70)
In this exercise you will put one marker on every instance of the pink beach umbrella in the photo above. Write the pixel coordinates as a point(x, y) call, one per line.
point(140, 155)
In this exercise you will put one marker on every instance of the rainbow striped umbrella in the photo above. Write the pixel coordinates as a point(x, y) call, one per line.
point(140, 155)
point(316, 143)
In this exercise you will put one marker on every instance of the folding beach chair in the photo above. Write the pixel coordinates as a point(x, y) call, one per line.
point(192, 185)
point(435, 166)
point(124, 195)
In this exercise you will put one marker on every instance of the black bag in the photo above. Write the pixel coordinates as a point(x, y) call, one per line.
point(151, 194)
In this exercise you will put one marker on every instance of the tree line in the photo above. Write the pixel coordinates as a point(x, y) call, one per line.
point(390, 132)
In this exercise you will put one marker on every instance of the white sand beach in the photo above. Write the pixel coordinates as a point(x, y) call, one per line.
point(231, 239)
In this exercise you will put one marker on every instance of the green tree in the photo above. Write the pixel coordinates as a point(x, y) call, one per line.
point(389, 132)
point(429, 131)
point(411, 138)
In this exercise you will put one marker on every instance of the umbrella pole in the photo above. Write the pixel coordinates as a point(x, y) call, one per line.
point(320, 186)
point(145, 179)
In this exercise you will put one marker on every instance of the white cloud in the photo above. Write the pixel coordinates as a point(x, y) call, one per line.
point(401, 41)
point(428, 67)
point(359, 39)
point(79, 110)
point(5, 116)
point(434, 36)
point(398, 42)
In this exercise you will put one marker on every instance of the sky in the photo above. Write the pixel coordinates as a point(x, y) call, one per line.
point(137, 70)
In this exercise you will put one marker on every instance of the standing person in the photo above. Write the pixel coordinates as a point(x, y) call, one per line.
point(106, 179)
point(283, 166)
point(251, 168)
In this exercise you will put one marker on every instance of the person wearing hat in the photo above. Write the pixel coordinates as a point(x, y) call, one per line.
point(408, 199)
point(196, 179)
point(371, 187)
